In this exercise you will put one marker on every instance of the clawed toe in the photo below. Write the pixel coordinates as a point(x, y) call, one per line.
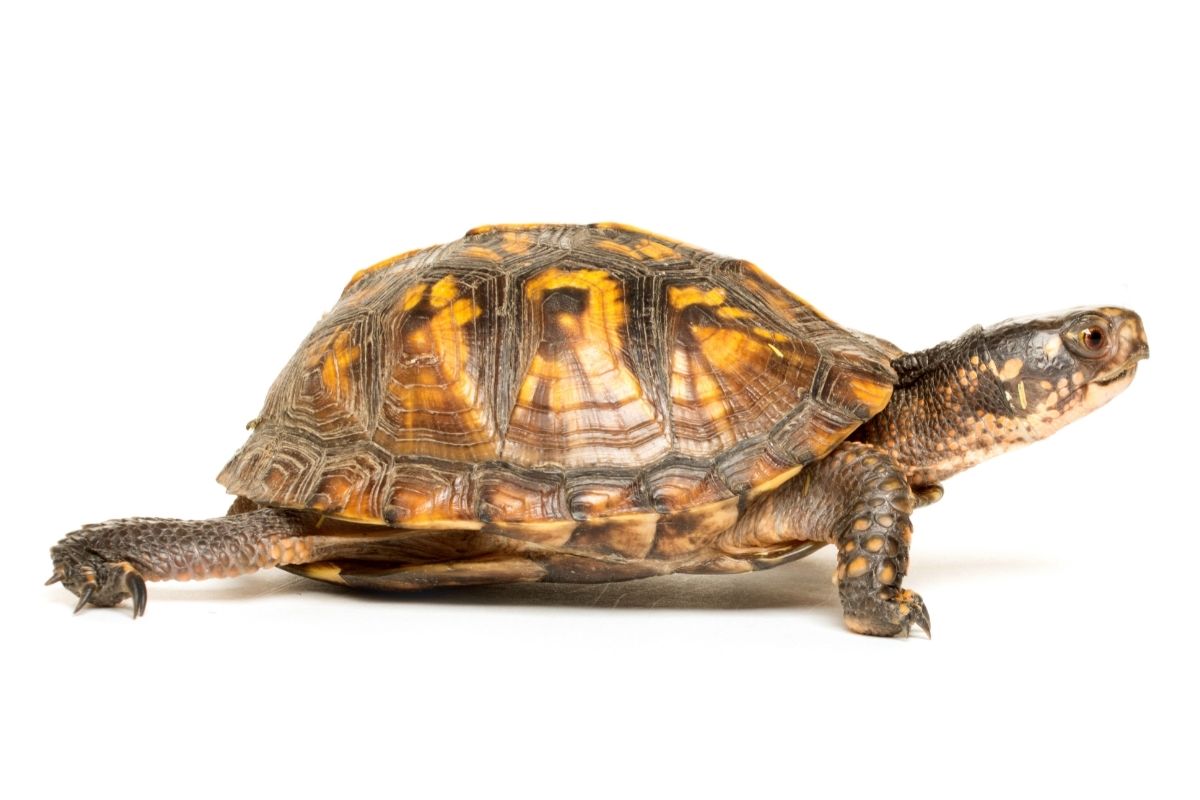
point(137, 590)
point(95, 580)
point(891, 613)
point(917, 614)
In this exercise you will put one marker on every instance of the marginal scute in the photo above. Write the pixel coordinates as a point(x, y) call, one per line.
point(595, 387)
point(425, 491)
point(506, 494)
point(351, 485)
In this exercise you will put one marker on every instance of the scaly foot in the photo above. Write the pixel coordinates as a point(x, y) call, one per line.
point(890, 612)
point(94, 579)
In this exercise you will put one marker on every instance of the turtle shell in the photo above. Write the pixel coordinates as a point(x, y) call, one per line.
point(543, 375)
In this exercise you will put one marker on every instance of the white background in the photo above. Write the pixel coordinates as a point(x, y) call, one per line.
point(185, 192)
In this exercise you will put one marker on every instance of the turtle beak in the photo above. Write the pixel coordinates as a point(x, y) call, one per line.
point(1131, 347)
point(1132, 344)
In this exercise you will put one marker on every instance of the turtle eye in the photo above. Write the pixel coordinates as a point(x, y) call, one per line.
point(1094, 339)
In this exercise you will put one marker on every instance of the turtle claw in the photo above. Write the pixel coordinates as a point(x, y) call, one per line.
point(95, 579)
point(137, 590)
point(918, 615)
point(84, 597)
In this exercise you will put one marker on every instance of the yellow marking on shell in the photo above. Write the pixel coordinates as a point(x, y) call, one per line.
point(620, 248)
point(874, 544)
point(861, 524)
point(412, 297)
point(445, 337)
point(656, 251)
point(387, 262)
point(703, 388)
point(511, 227)
point(775, 349)
point(684, 296)
point(890, 485)
point(591, 280)
point(569, 324)
point(724, 347)
point(857, 567)
point(1011, 369)
point(1021, 394)
point(773, 483)
point(322, 571)
point(596, 370)
point(335, 367)
point(443, 292)
point(769, 335)
point(474, 251)
point(435, 523)
point(417, 340)
point(618, 226)
point(733, 312)
point(514, 243)
point(872, 394)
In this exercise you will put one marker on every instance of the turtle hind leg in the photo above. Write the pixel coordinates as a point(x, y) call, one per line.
point(106, 563)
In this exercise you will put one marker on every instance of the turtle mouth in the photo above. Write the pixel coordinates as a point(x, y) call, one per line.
point(1125, 373)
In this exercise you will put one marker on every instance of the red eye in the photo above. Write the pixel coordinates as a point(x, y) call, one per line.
point(1093, 339)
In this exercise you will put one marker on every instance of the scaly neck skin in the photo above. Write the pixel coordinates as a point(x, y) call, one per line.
point(951, 409)
point(994, 389)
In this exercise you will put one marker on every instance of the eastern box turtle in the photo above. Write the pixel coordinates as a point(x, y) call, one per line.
point(586, 403)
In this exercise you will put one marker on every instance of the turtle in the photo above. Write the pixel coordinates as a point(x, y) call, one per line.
point(594, 403)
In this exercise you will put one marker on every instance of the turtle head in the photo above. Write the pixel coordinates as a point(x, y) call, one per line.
point(997, 388)
point(1055, 369)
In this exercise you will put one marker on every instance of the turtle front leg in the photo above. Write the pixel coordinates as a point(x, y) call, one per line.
point(872, 537)
point(106, 563)
point(858, 499)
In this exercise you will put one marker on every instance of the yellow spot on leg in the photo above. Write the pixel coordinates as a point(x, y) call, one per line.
point(857, 567)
